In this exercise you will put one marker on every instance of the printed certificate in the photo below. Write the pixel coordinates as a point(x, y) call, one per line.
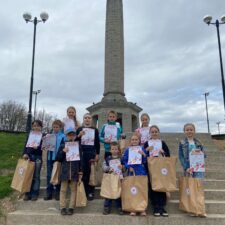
point(73, 154)
point(134, 157)
point(49, 142)
point(114, 164)
point(89, 136)
point(110, 133)
point(34, 139)
point(197, 161)
point(156, 147)
point(144, 131)
point(68, 124)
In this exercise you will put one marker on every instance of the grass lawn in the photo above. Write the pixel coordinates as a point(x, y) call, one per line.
point(5, 182)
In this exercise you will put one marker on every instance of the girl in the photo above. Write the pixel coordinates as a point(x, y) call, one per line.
point(90, 148)
point(155, 146)
point(71, 117)
point(33, 152)
point(186, 146)
point(143, 131)
point(137, 169)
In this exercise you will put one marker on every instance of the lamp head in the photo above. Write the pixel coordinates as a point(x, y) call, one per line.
point(44, 16)
point(222, 19)
point(207, 19)
point(27, 17)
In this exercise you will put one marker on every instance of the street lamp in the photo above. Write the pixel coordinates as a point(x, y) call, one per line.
point(218, 124)
point(28, 18)
point(35, 101)
point(206, 107)
point(207, 19)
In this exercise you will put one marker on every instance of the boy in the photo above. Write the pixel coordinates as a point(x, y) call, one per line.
point(110, 132)
point(112, 164)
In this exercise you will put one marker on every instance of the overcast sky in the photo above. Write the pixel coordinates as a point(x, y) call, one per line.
point(171, 58)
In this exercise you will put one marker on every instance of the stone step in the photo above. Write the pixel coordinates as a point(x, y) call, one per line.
point(96, 206)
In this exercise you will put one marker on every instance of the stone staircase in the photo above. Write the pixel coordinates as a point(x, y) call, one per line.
point(47, 212)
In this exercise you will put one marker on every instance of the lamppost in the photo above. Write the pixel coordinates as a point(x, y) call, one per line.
point(218, 124)
point(35, 101)
point(207, 19)
point(28, 18)
point(206, 107)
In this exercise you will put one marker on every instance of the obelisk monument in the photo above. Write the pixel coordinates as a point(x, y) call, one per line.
point(114, 96)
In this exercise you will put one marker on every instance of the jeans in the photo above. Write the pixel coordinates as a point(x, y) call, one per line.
point(35, 185)
point(108, 202)
point(50, 187)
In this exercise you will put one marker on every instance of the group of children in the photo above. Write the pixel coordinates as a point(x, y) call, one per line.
point(88, 139)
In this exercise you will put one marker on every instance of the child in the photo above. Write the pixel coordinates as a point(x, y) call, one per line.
point(143, 131)
point(155, 146)
point(90, 149)
point(51, 158)
point(71, 120)
point(109, 167)
point(33, 152)
point(70, 170)
point(137, 169)
point(186, 146)
point(110, 132)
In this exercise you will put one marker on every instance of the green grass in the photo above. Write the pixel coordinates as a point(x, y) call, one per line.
point(11, 148)
point(5, 188)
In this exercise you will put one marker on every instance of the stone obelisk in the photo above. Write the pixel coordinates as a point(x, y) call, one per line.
point(114, 96)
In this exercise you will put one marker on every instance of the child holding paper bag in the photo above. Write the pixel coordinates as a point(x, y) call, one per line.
point(155, 147)
point(134, 159)
point(69, 155)
point(32, 151)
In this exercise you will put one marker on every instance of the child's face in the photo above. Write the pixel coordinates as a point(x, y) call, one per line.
point(71, 136)
point(134, 140)
point(111, 117)
point(114, 150)
point(71, 113)
point(36, 127)
point(87, 120)
point(145, 121)
point(56, 128)
point(154, 133)
point(189, 131)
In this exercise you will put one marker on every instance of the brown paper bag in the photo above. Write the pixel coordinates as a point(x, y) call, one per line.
point(56, 170)
point(192, 198)
point(135, 193)
point(162, 172)
point(122, 145)
point(93, 175)
point(111, 186)
point(23, 176)
point(81, 199)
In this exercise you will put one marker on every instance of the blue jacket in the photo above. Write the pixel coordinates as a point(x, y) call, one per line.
point(102, 134)
point(139, 169)
point(184, 152)
point(59, 139)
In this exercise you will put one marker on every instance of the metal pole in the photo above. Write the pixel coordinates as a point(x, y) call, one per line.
point(35, 102)
point(206, 106)
point(29, 116)
point(221, 61)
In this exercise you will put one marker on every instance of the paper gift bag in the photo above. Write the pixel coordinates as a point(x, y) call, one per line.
point(23, 176)
point(56, 170)
point(134, 193)
point(111, 186)
point(81, 199)
point(93, 175)
point(122, 145)
point(162, 172)
point(191, 195)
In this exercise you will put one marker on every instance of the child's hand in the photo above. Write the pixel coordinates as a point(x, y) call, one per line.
point(80, 176)
point(189, 171)
point(96, 158)
point(150, 148)
point(66, 149)
point(25, 156)
point(81, 134)
point(161, 151)
point(120, 167)
point(111, 170)
point(35, 147)
point(142, 153)
point(131, 170)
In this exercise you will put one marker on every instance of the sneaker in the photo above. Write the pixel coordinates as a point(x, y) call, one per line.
point(63, 212)
point(143, 213)
point(133, 214)
point(120, 211)
point(106, 211)
point(48, 197)
point(164, 213)
point(90, 197)
point(70, 211)
point(34, 198)
point(156, 213)
point(26, 198)
point(57, 196)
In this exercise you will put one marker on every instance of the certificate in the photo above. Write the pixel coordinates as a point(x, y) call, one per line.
point(49, 142)
point(110, 133)
point(68, 124)
point(156, 147)
point(197, 161)
point(144, 131)
point(114, 164)
point(134, 157)
point(89, 136)
point(73, 154)
point(34, 139)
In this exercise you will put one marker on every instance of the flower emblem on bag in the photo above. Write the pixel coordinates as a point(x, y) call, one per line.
point(164, 171)
point(21, 171)
point(133, 190)
point(187, 190)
